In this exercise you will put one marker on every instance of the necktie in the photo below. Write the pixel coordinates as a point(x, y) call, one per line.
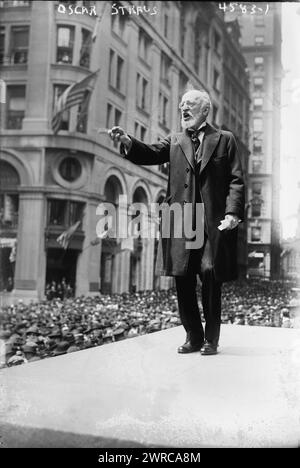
point(194, 135)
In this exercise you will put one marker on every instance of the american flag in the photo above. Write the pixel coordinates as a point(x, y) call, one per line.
point(72, 96)
point(65, 237)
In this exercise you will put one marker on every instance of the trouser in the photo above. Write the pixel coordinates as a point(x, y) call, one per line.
point(200, 262)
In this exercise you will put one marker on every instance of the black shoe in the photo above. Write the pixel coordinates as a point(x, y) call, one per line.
point(189, 347)
point(209, 348)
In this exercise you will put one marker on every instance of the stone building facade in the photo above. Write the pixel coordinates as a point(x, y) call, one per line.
point(49, 181)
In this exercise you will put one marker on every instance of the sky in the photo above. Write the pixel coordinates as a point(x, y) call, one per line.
point(290, 118)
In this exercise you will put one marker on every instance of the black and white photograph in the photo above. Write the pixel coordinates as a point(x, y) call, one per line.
point(149, 227)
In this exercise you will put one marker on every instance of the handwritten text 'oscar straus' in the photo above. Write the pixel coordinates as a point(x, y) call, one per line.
point(115, 10)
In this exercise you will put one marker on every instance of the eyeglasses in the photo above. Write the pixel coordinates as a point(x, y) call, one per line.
point(190, 104)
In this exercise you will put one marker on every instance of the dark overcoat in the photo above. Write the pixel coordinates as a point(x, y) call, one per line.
point(222, 191)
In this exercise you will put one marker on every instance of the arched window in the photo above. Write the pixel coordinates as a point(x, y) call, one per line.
point(9, 207)
point(9, 197)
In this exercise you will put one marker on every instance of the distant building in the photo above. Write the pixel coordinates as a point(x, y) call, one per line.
point(236, 103)
point(261, 41)
point(290, 255)
point(50, 181)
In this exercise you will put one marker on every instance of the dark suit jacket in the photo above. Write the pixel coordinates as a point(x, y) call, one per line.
point(222, 191)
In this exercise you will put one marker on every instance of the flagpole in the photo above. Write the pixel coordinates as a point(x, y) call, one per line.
point(98, 21)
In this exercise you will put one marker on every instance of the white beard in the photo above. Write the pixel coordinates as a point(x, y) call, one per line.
point(188, 123)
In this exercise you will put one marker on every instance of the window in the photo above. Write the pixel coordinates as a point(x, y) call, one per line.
point(19, 44)
point(15, 107)
point(113, 118)
point(82, 113)
point(111, 67)
point(258, 103)
point(166, 25)
point(165, 64)
point(143, 133)
point(10, 3)
point(256, 188)
point(259, 40)
point(216, 80)
point(85, 51)
point(56, 212)
point(116, 71)
point(2, 44)
point(109, 122)
point(58, 90)
point(66, 3)
point(70, 169)
point(255, 209)
point(64, 213)
point(9, 208)
point(258, 63)
point(118, 24)
point(258, 84)
point(217, 42)
point(142, 86)
point(120, 74)
point(136, 129)
point(257, 125)
point(256, 166)
point(65, 44)
point(9, 198)
point(257, 145)
point(140, 131)
point(118, 117)
point(255, 234)
point(163, 109)
point(75, 212)
point(144, 45)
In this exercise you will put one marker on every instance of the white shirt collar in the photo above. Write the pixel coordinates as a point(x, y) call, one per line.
point(202, 125)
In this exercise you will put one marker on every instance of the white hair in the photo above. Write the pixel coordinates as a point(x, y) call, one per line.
point(204, 96)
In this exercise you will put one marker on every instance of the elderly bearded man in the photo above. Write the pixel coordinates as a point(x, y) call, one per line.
point(204, 168)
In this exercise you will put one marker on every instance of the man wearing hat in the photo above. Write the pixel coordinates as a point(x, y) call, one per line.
point(31, 352)
point(61, 348)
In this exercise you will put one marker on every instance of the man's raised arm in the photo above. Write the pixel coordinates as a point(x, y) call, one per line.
point(138, 152)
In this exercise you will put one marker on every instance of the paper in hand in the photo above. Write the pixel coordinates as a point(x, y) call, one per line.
point(224, 225)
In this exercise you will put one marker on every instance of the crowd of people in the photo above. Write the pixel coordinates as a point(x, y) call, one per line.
point(60, 290)
point(64, 325)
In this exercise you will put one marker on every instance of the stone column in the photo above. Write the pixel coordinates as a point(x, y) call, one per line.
point(150, 264)
point(39, 60)
point(122, 258)
point(31, 255)
point(175, 96)
point(155, 79)
point(88, 263)
point(131, 76)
